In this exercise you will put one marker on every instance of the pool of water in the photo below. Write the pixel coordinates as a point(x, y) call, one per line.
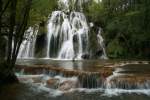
point(85, 65)
point(30, 92)
point(67, 64)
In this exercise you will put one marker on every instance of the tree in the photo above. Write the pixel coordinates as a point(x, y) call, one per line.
point(16, 29)
point(15, 18)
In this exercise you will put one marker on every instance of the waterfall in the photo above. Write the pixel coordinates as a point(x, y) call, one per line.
point(27, 47)
point(101, 44)
point(67, 34)
point(63, 27)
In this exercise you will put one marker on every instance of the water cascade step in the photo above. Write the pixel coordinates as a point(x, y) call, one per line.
point(105, 77)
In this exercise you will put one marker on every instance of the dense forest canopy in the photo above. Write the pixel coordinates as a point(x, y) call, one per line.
point(125, 25)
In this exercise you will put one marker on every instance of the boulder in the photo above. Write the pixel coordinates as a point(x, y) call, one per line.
point(67, 85)
point(52, 83)
point(85, 56)
point(30, 78)
point(99, 53)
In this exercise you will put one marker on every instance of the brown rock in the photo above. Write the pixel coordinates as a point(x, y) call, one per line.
point(67, 85)
point(52, 83)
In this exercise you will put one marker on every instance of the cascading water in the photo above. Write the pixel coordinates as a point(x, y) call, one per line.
point(67, 35)
point(111, 80)
point(68, 32)
point(27, 47)
point(101, 44)
point(62, 29)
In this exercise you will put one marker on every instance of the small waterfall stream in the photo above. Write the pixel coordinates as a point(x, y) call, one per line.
point(28, 45)
point(101, 44)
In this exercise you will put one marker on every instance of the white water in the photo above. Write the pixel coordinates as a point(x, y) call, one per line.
point(63, 28)
point(113, 85)
point(66, 30)
point(101, 44)
point(42, 86)
point(27, 47)
point(67, 36)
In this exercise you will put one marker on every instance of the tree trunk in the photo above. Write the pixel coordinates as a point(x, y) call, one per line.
point(15, 38)
point(11, 30)
point(5, 7)
point(7, 75)
point(20, 32)
point(1, 4)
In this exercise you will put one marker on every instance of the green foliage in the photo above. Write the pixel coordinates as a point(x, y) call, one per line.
point(40, 10)
point(125, 24)
point(93, 45)
point(115, 49)
point(15, 17)
point(95, 13)
point(42, 30)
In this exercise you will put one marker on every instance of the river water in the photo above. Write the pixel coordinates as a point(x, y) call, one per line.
point(129, 81)
point(26, 92)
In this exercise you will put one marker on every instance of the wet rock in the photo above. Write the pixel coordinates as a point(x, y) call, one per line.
point(106, 71)
point(75, 43)
point(30, 78)
point(130, 82)
point(40, 69)
point(85, 56)
point(40, 45)
point(84, 79)
point(99, 53)
point(67, 85)
point(52, 83)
